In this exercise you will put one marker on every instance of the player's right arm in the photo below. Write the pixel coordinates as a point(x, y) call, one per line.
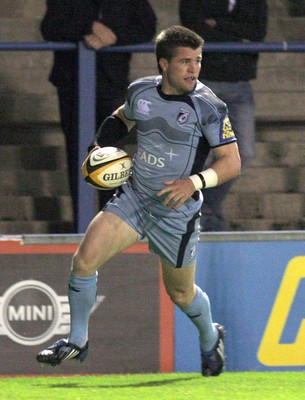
point(113, 129)
point(120, 114)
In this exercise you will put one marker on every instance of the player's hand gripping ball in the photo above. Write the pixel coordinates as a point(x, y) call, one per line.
point(106, 168)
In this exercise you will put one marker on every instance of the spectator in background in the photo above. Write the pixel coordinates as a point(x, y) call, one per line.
point(228, 75)
point(99, 23)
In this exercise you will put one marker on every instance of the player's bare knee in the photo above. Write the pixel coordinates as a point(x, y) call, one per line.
point(82, 265)
point(178, 297)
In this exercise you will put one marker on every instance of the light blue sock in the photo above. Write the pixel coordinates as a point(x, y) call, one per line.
point(199, 312)
point(82, 296)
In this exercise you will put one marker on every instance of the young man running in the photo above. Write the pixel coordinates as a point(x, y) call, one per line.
point(178, 120)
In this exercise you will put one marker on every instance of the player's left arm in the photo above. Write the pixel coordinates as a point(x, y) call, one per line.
point(226, 167)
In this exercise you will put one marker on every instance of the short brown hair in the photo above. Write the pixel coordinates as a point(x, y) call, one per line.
point(176, 36)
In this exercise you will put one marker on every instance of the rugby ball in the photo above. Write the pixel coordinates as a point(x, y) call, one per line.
point(106, 168)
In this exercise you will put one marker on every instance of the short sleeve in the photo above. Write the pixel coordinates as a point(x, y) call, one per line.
point(128, 111)
point(219, 132)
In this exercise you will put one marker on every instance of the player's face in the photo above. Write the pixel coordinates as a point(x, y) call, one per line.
point(180, 73)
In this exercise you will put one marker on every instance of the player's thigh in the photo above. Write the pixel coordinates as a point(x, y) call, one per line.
point(106, 236)
point(179, 282)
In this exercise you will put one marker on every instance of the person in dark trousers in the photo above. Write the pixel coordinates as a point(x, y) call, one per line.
point(229, 76)
point(99, 23)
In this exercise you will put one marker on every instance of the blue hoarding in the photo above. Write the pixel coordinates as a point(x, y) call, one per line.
point(257, 291)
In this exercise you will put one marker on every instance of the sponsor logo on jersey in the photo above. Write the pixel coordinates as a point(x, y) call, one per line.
point(171, 154)
point(226, 131)
point(143, 106)
point(151, 159)
point(183, 116)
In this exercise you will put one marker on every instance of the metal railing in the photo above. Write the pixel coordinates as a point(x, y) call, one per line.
point(86, 61)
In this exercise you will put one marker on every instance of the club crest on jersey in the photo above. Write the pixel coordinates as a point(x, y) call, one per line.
point(226, 131)
point(143, 106)
point(183, 116)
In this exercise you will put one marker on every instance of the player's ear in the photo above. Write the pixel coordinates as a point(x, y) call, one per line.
point(163, 63)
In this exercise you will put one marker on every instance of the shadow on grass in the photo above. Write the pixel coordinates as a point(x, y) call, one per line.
point(118, 386)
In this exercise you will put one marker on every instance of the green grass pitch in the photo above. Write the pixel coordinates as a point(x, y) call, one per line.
point(172, 386)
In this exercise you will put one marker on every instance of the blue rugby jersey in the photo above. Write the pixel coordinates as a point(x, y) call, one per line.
point(174, 134)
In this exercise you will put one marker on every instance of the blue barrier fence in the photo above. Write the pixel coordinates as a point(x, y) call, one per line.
point(86, 60)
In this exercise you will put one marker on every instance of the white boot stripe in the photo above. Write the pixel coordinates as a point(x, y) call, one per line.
point(73, 353)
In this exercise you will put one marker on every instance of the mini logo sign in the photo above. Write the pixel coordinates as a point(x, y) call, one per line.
point(31, 313)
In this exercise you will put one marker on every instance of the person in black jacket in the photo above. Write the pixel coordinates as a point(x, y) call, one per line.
point(228, 75)
point(99, 23)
